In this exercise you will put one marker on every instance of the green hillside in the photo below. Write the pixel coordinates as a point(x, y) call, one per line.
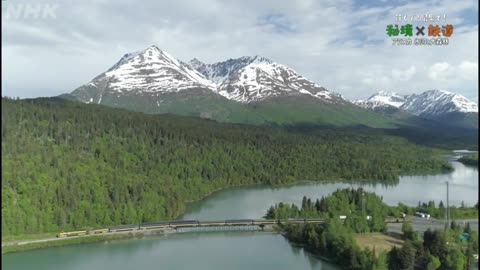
point(281, 110)
point(68, 165)
point(294, 110)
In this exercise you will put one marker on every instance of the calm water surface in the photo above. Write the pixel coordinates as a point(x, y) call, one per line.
point(252, 202)
point(243, 250)
point(237, 250)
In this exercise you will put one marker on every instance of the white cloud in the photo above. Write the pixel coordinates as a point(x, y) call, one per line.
point(441, 71)
point(341, 45)
point(466, 70)
point(404, 75)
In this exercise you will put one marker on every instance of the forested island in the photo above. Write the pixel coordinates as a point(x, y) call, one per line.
point(471, 159)
point(352, 214)
point(67, 165)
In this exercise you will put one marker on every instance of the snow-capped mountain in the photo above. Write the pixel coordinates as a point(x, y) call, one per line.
point(438, 102)
point(220, 71)
point(430, 103)
point(153, 72)
point(250, 79)
point(382, 99)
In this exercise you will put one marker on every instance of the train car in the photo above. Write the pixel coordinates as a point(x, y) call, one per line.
point(123, 228)
point(184, 223)
point(315, 220)
point(212, 223)
point(153, 225)
point(296, 220)
point(265, 221)
point(73, 233)
point(239, 222)
point(97, 231)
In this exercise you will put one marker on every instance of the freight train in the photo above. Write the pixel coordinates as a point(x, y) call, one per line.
point(179, 224)
point(122, 228)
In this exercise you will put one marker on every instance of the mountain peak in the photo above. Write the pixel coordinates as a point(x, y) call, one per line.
point(196, 63)
point(153, 47)
point(245, 79)
point(258, 59)
point(152, 51)
point(439, 91)
point(382, 99)
point(150, 71)
point(384, 93)
point(436, 102)
point(431, 103)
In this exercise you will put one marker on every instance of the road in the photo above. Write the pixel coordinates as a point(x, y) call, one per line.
point(422, 224)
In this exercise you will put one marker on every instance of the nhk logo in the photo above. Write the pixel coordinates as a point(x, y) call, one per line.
point(18, 11)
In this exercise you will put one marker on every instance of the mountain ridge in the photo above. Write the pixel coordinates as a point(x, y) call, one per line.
point(245, 79)
point(248, 89)
point(439, 105)
point(422, 103)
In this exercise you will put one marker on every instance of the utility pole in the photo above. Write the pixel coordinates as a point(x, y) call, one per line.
point(447, 213)
point(363, 203)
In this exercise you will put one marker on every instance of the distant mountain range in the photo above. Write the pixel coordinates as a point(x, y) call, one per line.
point(252, 90)
point(438, 105)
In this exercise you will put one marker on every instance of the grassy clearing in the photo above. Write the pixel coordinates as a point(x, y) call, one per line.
point(381, 242)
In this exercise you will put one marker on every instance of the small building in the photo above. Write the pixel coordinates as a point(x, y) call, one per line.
point(343, 217)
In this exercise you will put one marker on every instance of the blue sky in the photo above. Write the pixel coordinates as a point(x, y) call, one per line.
point(341, 45)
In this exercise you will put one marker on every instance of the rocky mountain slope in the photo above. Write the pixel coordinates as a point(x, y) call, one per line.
point(435, 104)
point(245, 90)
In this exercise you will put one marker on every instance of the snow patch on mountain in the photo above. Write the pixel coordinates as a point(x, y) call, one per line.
point(153, 70)
point(429, 103)
point(382, 99)
point(249, 79)
point(437, 102)
point(246, 79)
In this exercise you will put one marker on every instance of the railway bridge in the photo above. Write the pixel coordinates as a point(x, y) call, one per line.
point(196, 225)
point(232, 224)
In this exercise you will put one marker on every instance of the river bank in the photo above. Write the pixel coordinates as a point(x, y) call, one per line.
point(215, 200)
point(75, 240)
point(9, 241)
point(222, 248)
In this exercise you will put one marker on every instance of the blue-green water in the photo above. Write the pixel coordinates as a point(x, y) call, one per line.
point(237, 250)
point(252, 202)
point(242, 250)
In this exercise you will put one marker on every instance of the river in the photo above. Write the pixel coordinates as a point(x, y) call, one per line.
point(239, 250)
point(252, 202)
